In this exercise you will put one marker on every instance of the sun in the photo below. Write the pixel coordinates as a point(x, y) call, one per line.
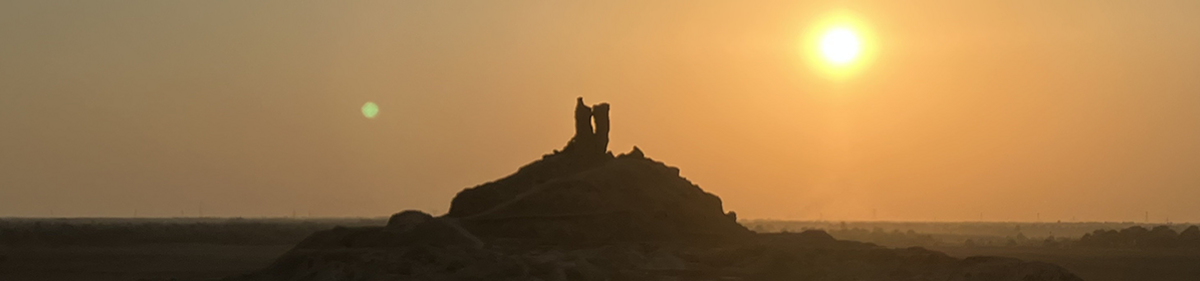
point(840, 46)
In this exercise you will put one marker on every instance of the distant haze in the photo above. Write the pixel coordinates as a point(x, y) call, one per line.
point(1005, 110)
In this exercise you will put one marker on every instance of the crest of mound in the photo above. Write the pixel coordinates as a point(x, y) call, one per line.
point(585, 194)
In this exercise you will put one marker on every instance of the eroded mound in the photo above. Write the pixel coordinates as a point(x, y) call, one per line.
point(584, 214)
point(584, 195)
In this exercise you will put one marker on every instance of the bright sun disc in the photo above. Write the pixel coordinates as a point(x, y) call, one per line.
point(840, 46)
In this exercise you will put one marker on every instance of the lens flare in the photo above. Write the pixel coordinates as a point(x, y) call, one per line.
point(370, 109)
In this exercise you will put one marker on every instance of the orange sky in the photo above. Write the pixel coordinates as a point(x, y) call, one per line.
point(1071, 109)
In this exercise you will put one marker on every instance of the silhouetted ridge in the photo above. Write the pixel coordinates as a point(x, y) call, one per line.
point(1136, 236)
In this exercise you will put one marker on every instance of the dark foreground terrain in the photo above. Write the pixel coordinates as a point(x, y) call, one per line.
point(134, 262)
point(148, 249)
point(212, 259)
point(1096, 251)
point(1102, 264)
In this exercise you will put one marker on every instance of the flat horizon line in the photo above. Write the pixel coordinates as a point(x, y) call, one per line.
point(739, 221)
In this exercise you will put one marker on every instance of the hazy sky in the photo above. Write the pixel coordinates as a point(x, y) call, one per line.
point(1071, 109)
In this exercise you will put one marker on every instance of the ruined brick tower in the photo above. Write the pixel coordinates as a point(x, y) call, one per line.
point(587, 140)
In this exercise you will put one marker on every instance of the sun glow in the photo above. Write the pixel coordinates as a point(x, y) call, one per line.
point(838, 45)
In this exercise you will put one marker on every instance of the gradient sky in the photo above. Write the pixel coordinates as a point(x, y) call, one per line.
point(1005, 109)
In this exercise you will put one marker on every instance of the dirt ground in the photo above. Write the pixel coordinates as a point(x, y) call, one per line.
point(1102, 264)
point(138, 262)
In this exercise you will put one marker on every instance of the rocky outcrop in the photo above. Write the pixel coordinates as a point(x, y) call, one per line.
point(407, 220)
point(583, 194)
point(584, 214)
